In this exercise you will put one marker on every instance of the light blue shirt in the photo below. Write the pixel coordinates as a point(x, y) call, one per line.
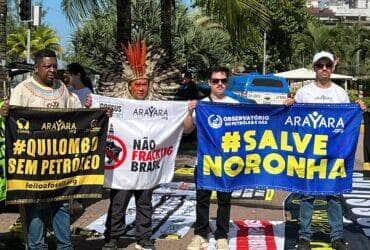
point(82, 94)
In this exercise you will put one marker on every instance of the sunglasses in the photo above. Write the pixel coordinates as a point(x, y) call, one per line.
point(321, 65)
point(216, 81)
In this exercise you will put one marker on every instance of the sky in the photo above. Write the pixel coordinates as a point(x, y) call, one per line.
point(56, 19)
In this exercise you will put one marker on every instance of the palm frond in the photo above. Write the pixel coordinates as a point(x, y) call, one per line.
point(76, 10)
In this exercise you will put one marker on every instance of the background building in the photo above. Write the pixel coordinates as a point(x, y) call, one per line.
point(347, 11)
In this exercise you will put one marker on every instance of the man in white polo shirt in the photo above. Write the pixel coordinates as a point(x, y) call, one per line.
point(322, 90)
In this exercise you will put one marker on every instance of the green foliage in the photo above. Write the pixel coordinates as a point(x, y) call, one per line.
point(42, 37)
point(344, 41)
point(93, 44)
point(220, 32)
point(198, 43)
point(77, 10)
point(287, 19)
point(366, 101)
point(282, 19)
point(146, 21)
point(353, 95)
point(197, 52)
point(237, 16)
point(245, 22)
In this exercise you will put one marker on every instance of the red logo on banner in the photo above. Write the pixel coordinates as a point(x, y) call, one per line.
point(115, 151)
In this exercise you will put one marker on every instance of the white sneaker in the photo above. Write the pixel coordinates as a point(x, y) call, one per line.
point(222, 244)
point(197, 243)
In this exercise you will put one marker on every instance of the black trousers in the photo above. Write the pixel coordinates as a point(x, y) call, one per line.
point(202, 214)
point(119, 200)
point(366, 117)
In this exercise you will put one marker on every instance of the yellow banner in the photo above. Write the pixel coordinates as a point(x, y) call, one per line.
point(366, 165)
point(33, 185)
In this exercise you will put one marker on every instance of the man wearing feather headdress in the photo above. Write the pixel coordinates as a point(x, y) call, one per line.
point(145, 75)
point(143, 78)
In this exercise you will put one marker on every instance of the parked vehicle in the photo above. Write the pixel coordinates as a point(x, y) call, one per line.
point(263, 89)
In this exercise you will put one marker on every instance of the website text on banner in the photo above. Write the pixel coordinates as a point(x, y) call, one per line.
point(307, 148)
point(142, 143)
point(54, 155)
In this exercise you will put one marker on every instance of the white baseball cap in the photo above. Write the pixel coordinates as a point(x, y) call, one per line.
point(323, 54)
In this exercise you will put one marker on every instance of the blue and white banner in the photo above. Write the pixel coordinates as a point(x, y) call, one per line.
point(307, 148)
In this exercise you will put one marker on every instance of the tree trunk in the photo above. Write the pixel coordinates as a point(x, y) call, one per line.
point(123, 35)
point(3, 10)
point(166, 16)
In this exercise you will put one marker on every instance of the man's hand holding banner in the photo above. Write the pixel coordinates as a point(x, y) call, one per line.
point(307, 148)
point(54, 154)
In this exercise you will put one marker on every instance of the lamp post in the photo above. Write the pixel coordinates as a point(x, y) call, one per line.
point(35, 21)
point(29, 43)
point(358, 51)
point(264, 53)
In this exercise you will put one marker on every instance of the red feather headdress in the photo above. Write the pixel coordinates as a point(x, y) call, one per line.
point(142, 62)
point(136, 57)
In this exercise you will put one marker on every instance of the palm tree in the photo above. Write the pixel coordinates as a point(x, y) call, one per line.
point(236, 15)
point(363, 41)
point(77, 10)
point(166, 20)
point(146, 21)
point(94, 43)
point(313, 39)
point(41, 38)
point(201, 45)
point(198, 42)
point(123, 22)
point(343, 41)
point(45, 38)
point(3, 12)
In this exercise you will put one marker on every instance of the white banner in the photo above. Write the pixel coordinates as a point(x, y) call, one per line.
point(142, 141)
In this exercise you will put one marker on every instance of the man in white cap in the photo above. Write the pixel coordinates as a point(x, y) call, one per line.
point(322, 90)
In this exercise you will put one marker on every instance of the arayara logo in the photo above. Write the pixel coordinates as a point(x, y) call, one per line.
point(316, 120)
point(215, 121)
point(151, 112)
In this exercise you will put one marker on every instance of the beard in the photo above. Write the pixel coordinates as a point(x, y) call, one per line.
point(324, 79)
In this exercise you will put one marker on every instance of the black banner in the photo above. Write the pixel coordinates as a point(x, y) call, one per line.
point(54, 154)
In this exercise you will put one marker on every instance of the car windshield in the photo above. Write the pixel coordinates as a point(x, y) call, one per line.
point(263, 82)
